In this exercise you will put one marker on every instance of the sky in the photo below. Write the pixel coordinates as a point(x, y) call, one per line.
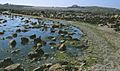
point(65, 3)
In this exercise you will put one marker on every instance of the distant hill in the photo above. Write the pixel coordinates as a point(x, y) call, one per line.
point(94, 9)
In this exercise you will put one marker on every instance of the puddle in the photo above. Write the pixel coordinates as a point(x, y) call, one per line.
point(52, 35)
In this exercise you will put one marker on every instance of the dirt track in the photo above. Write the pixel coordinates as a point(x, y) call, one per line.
point(104, 47)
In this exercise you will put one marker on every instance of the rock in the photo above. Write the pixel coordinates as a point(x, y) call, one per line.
point(68, 37)
point(62, 41)
point(4, 21)
point(62, 47)
point(37, 40)
point(18, 30)
point(26, 21)
point(32, 55)
point(43, 67)
point(55, 26)
point(39, 45)
point(36, 54)
point(39, 51)
point(2, 32)
point(53, 39)
point(33, 23)
point(24, 40)
point(13, 67)
point(6, 62)
point(14, 34)
point(15, 51)
point(12, 43)
point(9, 37)
point(38, 69)
point(25, 30)
point(62, 32)
point(33, 36)
point(56, 67)
point(70, 33)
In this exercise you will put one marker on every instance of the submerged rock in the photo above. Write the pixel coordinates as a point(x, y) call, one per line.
point(24, 40)
point(12, 43)
point(13, 67)
point(6, 62)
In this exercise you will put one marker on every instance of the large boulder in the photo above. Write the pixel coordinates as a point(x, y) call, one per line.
point(14, 67)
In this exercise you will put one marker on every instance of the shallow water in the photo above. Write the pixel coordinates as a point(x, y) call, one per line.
point(16, 22)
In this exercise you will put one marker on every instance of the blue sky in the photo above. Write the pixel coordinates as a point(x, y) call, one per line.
point(64, 3)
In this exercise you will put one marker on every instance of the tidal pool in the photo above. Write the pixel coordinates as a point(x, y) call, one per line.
point(50, 31)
